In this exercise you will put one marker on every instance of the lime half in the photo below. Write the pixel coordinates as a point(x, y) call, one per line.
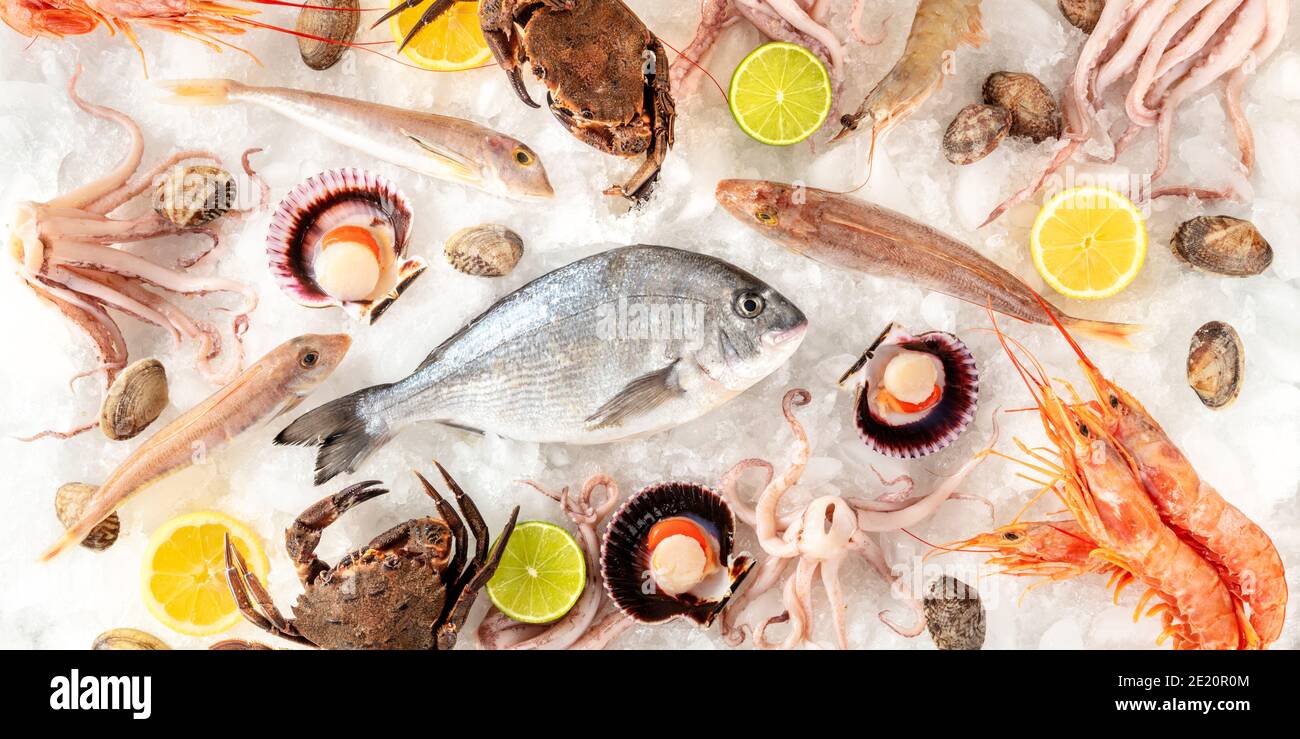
point(542, 574)
point(780, 94)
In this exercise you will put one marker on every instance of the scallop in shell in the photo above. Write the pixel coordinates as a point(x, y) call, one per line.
point(339, 239)
point(194, 195)
point(918, 392)
point(135, 399)
point(954, 615)
point(1034, 112)
point(669, 552)
point(70, 501)
point(486, 250)
point(1224, 245)
point(1216, 364)
point(975, 132)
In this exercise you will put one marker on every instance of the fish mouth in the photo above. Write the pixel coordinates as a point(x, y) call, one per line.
point(737, 196)
point(782, 337)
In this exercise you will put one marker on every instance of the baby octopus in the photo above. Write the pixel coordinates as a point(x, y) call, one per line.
point(817, 538)
point(69, 251)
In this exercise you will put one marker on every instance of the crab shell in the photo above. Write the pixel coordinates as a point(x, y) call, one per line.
point(911, 435)
point(625, 557)
point(321, 205)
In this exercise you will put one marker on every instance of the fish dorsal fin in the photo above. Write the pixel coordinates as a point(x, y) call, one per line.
point(639, 396)
point(459, 164)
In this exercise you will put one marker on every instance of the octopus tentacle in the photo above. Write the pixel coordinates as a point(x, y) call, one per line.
point(765, 508)
point(764, 579)
point(112, 201)
point(116, 261)
point(117, 178)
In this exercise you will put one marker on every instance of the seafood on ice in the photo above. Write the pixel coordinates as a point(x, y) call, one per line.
point(849, 233)
point(271, 386)
point(620, 344)
point(816, 539)
point(411, 587)
point(436, 146)
point(70, 251)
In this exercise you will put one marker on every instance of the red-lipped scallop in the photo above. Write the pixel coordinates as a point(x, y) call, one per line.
point(668, 553)
point(339, 238)
point(918, 392)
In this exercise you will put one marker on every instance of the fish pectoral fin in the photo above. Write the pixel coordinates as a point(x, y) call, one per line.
point(459, 164)
point(639, 396)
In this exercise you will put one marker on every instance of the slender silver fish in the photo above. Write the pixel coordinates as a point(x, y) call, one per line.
point(620, 344)
point(435, 145)
point(849, 233)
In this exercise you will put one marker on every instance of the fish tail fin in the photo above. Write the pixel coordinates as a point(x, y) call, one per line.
point(345, 438)
point(1112, 333)
point(199, 92)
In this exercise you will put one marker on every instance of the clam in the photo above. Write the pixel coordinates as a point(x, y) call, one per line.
point(918, 392)
point(1082, 14)
point(975, 132)
point(194, 195)
point(135, 399)
point(668, 553)
point(954, 615)
point(70, 500)
point(1216, 364)
point(1222, 244)
point(128, 639)
point(486, 250)
point(339, 239)
point(1034, 112)
point(337, 27)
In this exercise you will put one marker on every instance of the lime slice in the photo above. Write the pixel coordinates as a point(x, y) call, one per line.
point(541, 575)
point(780, 94)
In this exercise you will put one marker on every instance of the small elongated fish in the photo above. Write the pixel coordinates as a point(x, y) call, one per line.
point(275, 384)
point(620, 344)
point(853, 234)
point(435, 145)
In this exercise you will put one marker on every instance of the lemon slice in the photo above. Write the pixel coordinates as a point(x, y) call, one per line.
point(541, 576)
point(780, 94)
point(1089, 242)
point(184, 573)
point(452, 42)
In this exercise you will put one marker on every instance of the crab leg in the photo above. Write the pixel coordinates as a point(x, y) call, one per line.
point(662, 112)
point(303, 535)
point(453, 521)
point(450, 627)
point(241, 582)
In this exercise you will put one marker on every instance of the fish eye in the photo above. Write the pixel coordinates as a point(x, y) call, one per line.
point(1011, 536)
point(1083, 429)
point(749, 305)
point(766, 217)
point(523, 156)
point(309, 359)
point(1114, 401)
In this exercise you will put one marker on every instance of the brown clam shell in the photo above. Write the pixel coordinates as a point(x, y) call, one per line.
point(135, 399)
point(1034, 112)
point(194, 195)
point(975, 132)
point(339, 26)
point(1216, 364)
point(70, 500)
point(485, 250)
point(128, 639)
point(1082, 14)
point(1223, 245)
point(954, 615)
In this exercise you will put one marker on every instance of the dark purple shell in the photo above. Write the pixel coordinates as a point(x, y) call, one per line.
point(944, 421)
point(625, 559)
point(316, 206)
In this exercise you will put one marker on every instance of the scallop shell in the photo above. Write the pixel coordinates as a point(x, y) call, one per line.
point(625, 559)
point(194, 195)
point(135, 399)
point(934, 428)
point(327, 201)
point(975, 132)
point(1082, 14)
point(339, 26)
point(70, 500)
point(128, 639)
point(1034, 112)
point(954, 615)
point(1224, 245)
point(486, 250)
point(1216, 364)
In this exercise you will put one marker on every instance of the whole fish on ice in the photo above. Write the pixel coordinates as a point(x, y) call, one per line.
point(849, 233)
point(620, 344)
point(434, 145)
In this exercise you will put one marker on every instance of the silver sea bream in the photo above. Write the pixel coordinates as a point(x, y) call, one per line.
point(620, 344)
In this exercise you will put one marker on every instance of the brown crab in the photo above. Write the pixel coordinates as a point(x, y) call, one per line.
point(409, 588)
point(606, 74)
